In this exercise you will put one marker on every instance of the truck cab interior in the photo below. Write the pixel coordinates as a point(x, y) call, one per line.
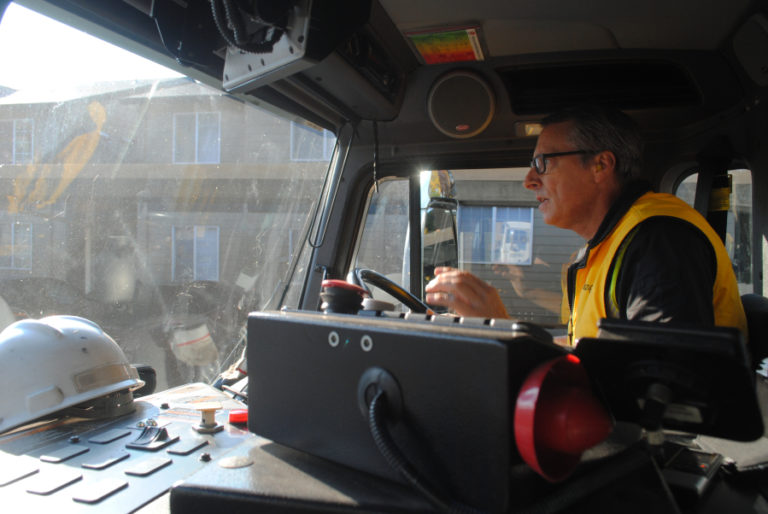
point(215, 217)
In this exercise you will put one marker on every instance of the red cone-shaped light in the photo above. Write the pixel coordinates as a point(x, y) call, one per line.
point(557, 418)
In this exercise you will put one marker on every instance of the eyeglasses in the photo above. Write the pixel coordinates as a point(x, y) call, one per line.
point(539, 162)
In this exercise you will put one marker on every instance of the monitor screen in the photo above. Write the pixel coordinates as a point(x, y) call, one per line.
point(659, 375)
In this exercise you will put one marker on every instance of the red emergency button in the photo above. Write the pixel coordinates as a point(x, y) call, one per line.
point(238, 416)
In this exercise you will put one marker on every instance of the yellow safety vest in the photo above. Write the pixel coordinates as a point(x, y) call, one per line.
point(589, 292)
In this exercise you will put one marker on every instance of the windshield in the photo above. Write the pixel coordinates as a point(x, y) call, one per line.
point(161, 209)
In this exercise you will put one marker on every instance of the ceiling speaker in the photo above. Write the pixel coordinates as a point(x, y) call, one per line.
point(461, 104)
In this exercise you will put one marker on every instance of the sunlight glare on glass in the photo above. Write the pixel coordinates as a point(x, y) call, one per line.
point(38, 52)
point(424, 176)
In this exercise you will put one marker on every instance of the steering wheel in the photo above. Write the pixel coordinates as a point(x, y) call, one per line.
point(360, 276)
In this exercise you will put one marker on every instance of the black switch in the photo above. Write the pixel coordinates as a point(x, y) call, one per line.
point(152, 439)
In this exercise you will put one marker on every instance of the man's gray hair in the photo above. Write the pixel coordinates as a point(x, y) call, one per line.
point(597, 128)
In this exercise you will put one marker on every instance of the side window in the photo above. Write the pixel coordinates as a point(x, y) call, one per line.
point(738, 238)
point(501, 238)
point(385, 234)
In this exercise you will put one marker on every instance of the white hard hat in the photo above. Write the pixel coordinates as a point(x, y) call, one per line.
point(58, 362)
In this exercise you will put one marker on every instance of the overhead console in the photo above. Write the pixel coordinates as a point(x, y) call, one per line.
point(330, 61)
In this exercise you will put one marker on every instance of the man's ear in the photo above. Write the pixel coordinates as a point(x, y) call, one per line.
point(604, 165)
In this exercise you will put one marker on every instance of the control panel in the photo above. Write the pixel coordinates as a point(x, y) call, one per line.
point(119, 464)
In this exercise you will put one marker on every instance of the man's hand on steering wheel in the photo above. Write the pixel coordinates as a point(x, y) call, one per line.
point(464, 294)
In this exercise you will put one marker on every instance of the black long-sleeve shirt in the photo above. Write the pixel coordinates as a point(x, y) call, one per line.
point(669, 267)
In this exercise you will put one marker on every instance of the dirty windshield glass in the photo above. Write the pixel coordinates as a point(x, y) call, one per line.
point(135, 197)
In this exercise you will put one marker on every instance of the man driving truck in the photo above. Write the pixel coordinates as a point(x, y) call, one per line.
point(635, 264)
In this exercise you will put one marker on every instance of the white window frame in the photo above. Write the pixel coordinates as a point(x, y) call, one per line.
point(197, 160)
point(195, 271)
point(18, 157)
point(14, 252)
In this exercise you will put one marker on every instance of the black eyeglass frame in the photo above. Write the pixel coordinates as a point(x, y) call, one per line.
point(544, 156)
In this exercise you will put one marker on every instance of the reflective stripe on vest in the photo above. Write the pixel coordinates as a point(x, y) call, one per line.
point(591, 281)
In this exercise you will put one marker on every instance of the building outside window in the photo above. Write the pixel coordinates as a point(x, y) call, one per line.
point(197, 138)
point(195, 253)
point(311, 144)
point(493, 234)
point(16, 245)
point(17, 141)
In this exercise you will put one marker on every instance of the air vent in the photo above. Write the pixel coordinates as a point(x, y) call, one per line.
point(626, 85)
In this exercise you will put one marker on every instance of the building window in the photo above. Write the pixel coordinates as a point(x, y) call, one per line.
point(497, 235)
point(196, 138)
point(17, 141)
point(311, 144)
point(16, 245)
point(195, 253)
